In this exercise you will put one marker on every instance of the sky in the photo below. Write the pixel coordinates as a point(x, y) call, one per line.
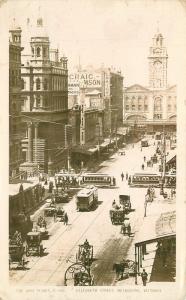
point(115, 33)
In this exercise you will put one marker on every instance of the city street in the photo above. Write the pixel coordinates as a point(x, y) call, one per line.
point(109, 245)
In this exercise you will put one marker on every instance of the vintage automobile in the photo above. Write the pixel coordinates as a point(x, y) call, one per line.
point(85, 254)
point(124, 200)
point(34, 244)
point(60, 214)
point(117, 216)
point(16, 254)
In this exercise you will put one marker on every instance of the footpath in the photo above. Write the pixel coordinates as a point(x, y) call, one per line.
point(160, 268)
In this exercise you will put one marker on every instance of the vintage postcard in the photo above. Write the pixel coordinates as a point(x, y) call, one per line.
point(93, 149)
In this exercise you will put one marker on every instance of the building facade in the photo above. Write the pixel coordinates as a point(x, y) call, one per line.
point(103, 90)
point(153, 106)
point(15, 129)
point(45, 105)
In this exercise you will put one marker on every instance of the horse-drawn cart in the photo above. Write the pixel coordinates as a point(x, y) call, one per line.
point(16, 255)
point(125, 202)
point(117, 216)
point(78, 275)
point(34, 244)
point(85, 254)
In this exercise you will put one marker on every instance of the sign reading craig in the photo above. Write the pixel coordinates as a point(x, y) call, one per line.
point(83, 79)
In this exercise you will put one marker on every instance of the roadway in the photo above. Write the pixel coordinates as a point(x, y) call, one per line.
point(110, 246)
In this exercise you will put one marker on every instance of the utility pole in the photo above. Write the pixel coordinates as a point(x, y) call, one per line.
point(163, 162)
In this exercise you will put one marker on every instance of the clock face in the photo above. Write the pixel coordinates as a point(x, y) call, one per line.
point(157, 65)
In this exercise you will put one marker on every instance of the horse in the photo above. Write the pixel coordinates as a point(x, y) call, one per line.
point(119, 268)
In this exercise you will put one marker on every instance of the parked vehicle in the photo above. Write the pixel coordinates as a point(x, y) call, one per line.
point(60, 196)
point(34, 244)
point(87, 198)
point(16, 254)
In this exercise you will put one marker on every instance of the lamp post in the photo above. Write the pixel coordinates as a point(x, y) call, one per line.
point(163, 162)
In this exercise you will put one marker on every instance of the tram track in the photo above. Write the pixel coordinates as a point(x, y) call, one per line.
point(57, 239)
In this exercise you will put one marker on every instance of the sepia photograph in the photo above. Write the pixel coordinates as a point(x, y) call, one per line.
point(94, 98)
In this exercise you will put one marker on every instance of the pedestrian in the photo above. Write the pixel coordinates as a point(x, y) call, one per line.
point(144, 158)
point(144, 277)
point(127, 176)
point(65, 219)
point(142, 166)
point(129, 180)
point(122, 176)
point(141, 149)
point(129, 230)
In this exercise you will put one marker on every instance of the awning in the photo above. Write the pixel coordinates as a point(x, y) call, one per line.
point(85, 151)
point(122, 130)
point(105, 144)
point(155, 228)
point(171, 157)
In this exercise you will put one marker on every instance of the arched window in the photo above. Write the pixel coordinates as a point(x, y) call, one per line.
point(44, 52)
point(45, 84)
point(22, 84)
point(38, 51)
point(133, 103)
point(158, 104)
point(38, 101)
point(146, 103)
point(140, 103)
point(38, 84)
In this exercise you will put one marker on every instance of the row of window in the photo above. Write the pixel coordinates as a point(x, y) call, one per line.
point(139, 107)
point(145, 107)
point(14, 77)
point(14, 56)
point(40, 50)
point(58, 84)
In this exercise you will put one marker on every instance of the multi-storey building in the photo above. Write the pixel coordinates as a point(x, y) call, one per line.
point(15, 129)
point(103, 90)
point(155, 105)
point(45, 104)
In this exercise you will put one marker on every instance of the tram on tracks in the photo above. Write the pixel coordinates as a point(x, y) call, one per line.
point(87, 198)
point(145, 179)
point(98, 179)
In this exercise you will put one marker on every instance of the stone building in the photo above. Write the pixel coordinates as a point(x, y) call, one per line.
point(15, 129)
point(153, 106)
point(45, 104)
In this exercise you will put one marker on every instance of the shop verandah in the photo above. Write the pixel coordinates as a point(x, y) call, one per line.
point(155, 247)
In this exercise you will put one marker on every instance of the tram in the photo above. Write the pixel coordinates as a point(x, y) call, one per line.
point(98, 179)
point(144, 179)
point(87, 198)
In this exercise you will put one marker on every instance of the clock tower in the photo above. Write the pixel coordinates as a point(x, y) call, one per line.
point(158, 63)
